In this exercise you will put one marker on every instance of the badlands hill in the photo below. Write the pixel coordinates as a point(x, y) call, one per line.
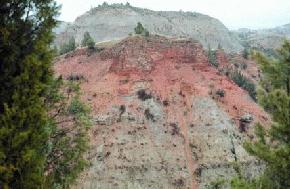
point(109, 22)
point(164, 118)
point(264, 39)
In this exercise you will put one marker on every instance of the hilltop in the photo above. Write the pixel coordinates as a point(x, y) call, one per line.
point(116, 21)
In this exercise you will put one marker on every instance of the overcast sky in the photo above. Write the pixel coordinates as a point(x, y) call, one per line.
point(234, 14)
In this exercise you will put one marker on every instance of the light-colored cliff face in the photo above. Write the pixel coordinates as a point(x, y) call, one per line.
point(159, 123)
point(117, 21)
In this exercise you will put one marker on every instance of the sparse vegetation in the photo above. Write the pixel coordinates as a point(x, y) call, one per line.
point(244, 83)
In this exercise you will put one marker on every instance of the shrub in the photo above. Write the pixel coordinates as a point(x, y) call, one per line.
point(75, 77)
point(149, 115)
point(175, 129)
point(220, 93)
point(143, 95)
point(165, 102)
point(146, 33)
point(246, 53)
point(140, 30)
point(122, 109)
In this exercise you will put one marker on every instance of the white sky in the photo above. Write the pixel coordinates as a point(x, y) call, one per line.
point(234, 14)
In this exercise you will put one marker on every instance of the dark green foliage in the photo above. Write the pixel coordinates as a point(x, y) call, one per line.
point(246, 53)
point(37, 148)
point(165, 102)
point(175, 129)
point(68, 136)
point(241, 183)
point(75, 77)
point(220, 93)
point(140, 30)
point(146, 33)
point(68, 47)
point(217, 184)
point(76, 106)
point(149, 115)
point(212, 57)
point(244, 83)
point(88, 41)
point(273, 146)
point(143, 95)
point(25, 76)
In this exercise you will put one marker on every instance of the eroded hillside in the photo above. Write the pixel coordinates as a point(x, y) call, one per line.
point(163, 116)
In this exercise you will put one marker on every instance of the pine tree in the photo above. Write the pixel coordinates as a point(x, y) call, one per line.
point(88, 41)
point(66, 145)
point(139, 28)
point(212, 57)
point(25, 76)
point(273, 146)
point(68, 47)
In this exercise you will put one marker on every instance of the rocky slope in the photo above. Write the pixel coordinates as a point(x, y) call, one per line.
point(159, 120)
point(108, 22)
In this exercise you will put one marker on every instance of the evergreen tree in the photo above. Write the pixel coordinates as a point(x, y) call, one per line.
point(88, 41)
point(139, 28)
point(273, 146)
point(66, 145)
point(212, 57)
point(25, 76)
point(246, 53)
point(68, 47)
